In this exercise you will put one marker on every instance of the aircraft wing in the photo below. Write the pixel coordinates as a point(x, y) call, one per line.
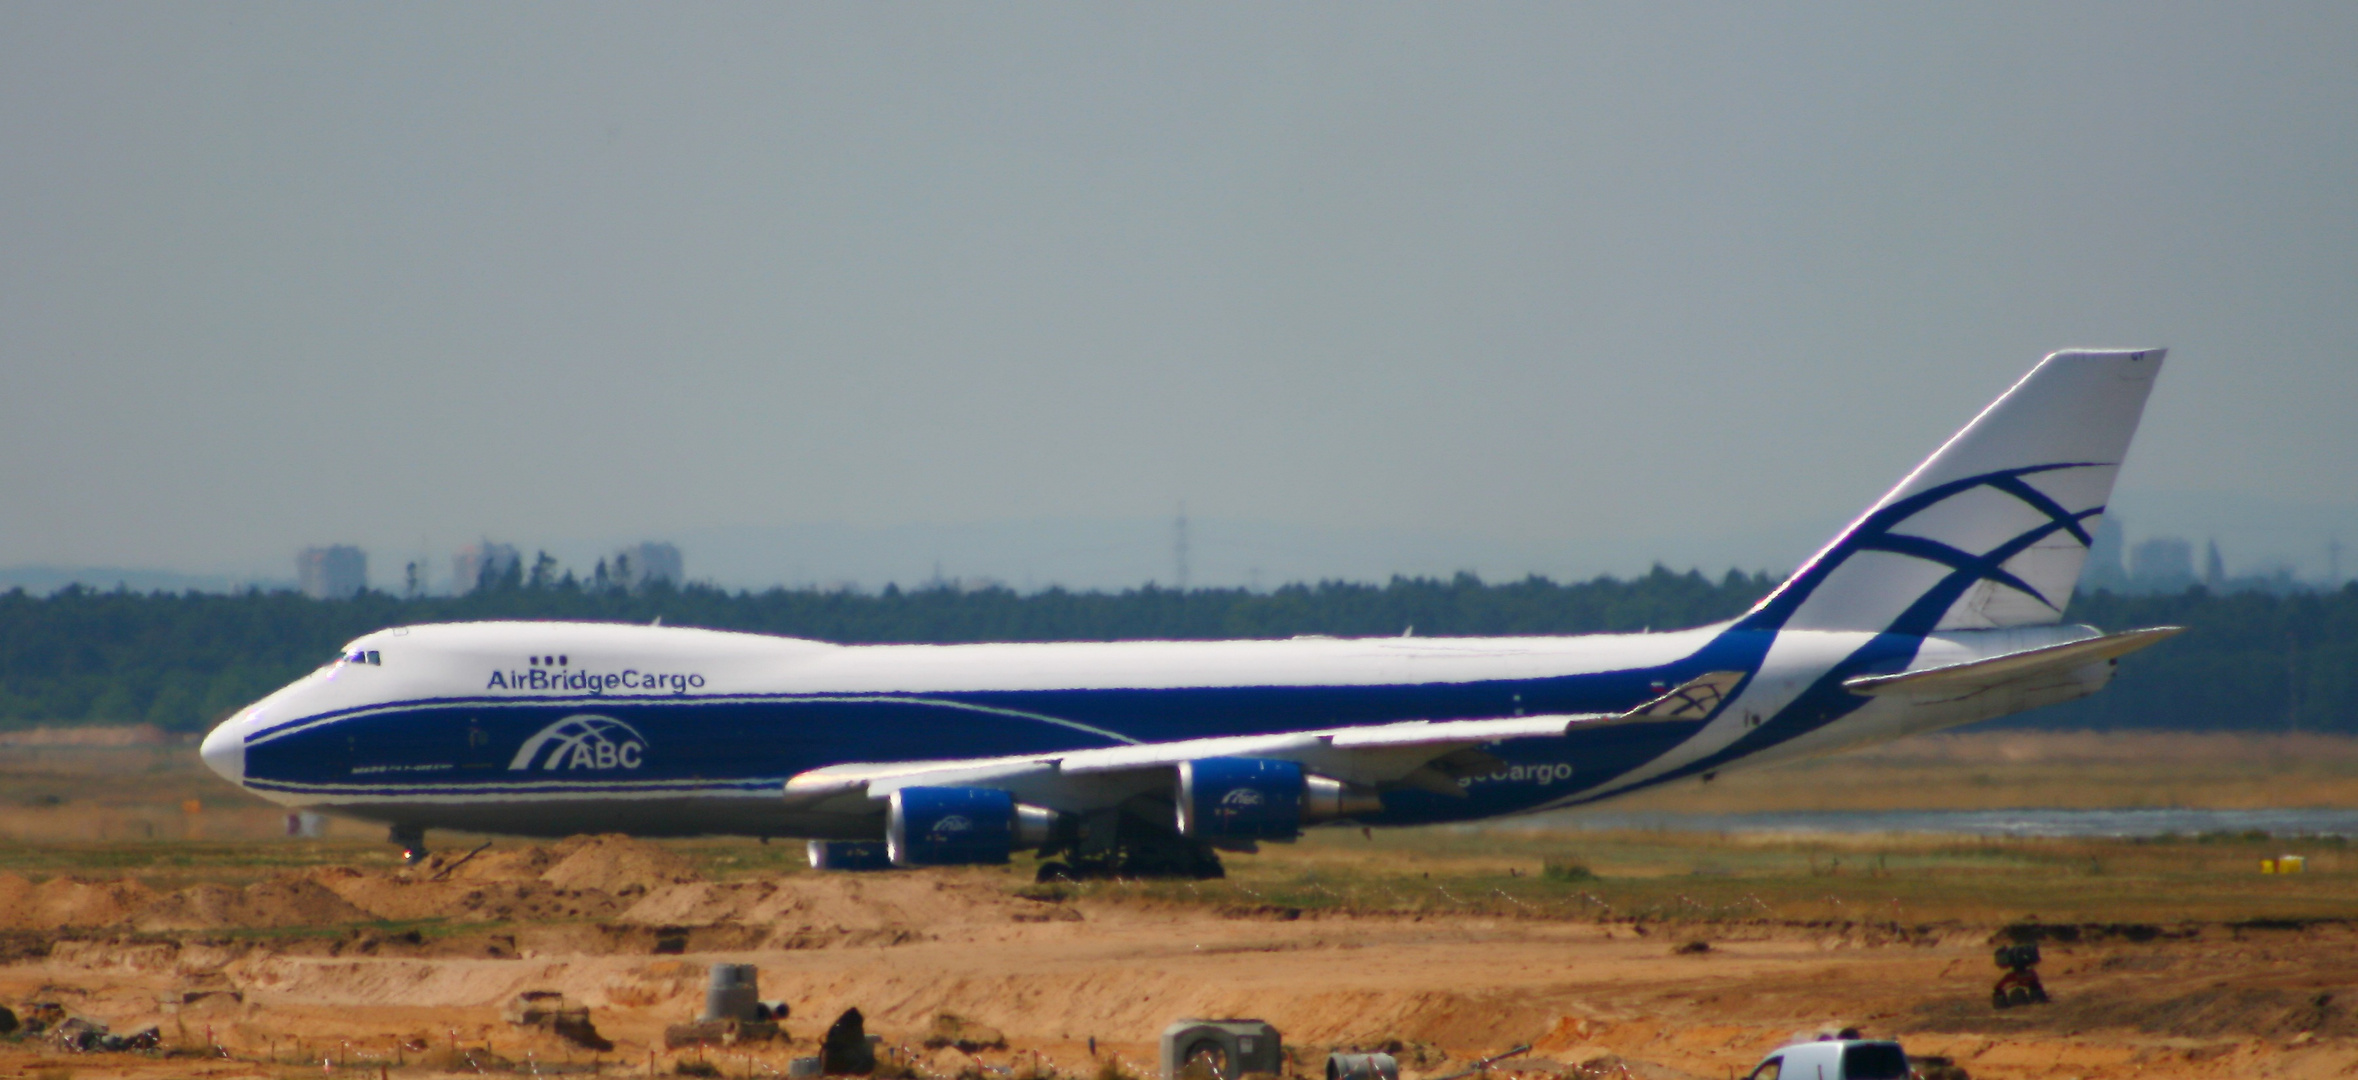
point(1421, 754)
point(2029, 668)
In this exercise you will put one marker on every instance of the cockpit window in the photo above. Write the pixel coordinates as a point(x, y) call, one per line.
point(363, 656)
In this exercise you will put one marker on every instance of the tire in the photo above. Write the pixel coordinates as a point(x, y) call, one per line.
point(1211, 1056)
point(2020, 995)
point(1998, 999)
point(1051, 872)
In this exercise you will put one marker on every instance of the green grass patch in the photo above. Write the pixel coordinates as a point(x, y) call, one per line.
point(1665, 876)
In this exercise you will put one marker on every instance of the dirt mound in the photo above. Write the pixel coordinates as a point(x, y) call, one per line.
point(198, 907)
point(71, 903)
point(296, 900)
point(821, 902)
point(13, 891)
point(703, 903)
point(497, 864)
point(396, 897)
point(402, 899)
point(2223, 1009)
point(2241, 1010)
point(586, 877)
point(615, 865)
point(284, 901)
point(951, 1029)
point(505, 900)
point(839, 903)
point(612, 864)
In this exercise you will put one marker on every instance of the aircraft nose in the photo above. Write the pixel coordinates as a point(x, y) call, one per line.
point(224, 750)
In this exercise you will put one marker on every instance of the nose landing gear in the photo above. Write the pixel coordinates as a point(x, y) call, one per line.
point(412, 839)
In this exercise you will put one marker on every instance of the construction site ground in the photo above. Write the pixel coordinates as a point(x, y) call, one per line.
point(1656, 954)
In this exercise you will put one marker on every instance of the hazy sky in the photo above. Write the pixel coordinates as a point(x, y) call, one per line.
point(406, 275)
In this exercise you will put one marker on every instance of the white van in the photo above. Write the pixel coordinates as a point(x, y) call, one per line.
point(1835, 1059)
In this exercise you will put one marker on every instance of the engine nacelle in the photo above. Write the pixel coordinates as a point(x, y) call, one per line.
point(1261, 799)
point(1240, 799)
point(849, 855)
point(1327, 800)
point(947, 826)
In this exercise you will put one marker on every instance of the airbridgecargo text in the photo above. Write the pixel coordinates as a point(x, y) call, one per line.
point(592, 682)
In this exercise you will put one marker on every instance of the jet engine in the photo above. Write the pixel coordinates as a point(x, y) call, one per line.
point(1261, 799)
point(950, 826)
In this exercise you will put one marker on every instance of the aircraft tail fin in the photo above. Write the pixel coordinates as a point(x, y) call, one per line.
point(1992, 529)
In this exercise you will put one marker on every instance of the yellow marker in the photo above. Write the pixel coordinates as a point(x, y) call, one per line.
point(2267, 866)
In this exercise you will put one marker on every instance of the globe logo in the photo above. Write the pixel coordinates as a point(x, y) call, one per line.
point(1239, 803)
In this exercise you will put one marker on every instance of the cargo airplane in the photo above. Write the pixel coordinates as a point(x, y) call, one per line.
point(1941, 605)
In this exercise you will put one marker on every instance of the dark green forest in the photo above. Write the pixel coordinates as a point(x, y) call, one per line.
point(183, 661)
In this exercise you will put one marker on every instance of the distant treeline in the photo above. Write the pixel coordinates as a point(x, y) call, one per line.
point(184, 660)
point(2247, 662)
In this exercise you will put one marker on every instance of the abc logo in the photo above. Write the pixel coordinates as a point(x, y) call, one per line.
point(582, 741)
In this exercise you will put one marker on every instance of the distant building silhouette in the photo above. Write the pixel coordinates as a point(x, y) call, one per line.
point(2105, 568)
point(336, 572)
point(640, 565)
point(2214, 568)
point(476, 563)
point(2162, 564)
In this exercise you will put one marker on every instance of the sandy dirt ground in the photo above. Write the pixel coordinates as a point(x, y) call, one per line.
point(138, 891)
point(339, 970)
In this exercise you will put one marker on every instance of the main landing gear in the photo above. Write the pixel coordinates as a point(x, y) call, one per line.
point(1113, 844)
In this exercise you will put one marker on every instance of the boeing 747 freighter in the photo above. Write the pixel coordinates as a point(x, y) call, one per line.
point(1941, 605)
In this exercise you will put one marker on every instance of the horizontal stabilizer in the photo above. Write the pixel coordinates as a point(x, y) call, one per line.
point(1955, 680)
